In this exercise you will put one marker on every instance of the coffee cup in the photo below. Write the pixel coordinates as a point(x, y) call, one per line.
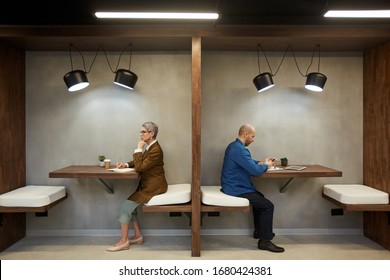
point(107, 163)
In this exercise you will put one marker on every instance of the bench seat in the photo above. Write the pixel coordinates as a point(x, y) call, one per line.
point(175, 199)
point(32, 198)
point(175, 194)
point(356, 197)
point(214, 200)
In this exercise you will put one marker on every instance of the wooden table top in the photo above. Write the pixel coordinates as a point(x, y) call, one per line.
point(91, 171)
point(94, 171)
point(309, 171)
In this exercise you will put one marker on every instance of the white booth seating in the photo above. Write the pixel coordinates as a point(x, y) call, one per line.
point(356, 197)
point(176, 194)
point(356, 194)
point(212, 195)
point(32, 198)
point(214, 200)
point(176, 199)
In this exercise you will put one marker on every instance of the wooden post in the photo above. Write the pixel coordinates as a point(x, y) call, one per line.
point(13, 139)
point(376, 137)
point(196, 145)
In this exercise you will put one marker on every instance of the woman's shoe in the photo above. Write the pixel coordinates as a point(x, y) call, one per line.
point(139, 241)
point(124, 246)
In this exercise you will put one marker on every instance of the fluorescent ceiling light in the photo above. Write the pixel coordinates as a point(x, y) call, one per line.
point(125, 15)
point(358, 13)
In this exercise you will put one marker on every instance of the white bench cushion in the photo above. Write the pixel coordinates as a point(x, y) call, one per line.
point(212, 195)
point(32, 196)
point(176, 194)
point(355, 194)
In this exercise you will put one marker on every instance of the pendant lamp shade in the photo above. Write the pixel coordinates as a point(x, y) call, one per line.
point(315, 81)
point(125, 78)
point(263, 81)
point(76, 80)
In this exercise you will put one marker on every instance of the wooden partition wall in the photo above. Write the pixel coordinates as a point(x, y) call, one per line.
point(12, 140)
point(376, 137)
point(196, 145)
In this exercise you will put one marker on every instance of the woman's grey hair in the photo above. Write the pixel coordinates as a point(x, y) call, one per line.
point(151, 127)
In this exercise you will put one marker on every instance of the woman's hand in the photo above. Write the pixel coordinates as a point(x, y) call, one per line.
point(121, 165)
point(141, 144)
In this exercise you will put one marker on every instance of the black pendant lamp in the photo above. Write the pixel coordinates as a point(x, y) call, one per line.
point(315, 81)
point(123, 77)
point(76, 79)
point(263, 81)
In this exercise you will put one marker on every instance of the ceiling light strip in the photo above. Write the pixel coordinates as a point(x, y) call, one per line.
point(131, 15)
point(358, 13)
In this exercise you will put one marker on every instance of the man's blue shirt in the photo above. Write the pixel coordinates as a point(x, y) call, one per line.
point(238, 168)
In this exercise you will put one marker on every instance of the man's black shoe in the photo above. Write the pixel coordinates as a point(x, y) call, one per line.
point(256, 234)
point(269, 246)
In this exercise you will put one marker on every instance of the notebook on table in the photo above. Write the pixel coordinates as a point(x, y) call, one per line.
point(122, 170)
point(295, 167)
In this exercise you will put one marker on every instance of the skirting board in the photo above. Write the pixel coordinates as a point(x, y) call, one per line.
point(182, 232)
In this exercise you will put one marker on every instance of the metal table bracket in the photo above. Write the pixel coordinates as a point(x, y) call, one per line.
point(108, 188)
point(284, 187)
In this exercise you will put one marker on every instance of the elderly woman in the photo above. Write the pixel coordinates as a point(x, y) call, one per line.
point(148, 162)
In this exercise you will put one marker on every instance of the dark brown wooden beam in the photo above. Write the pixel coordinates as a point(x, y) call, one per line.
point(214, 38)
point(196, 145)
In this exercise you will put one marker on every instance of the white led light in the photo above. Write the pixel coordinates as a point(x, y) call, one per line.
point(265, 88)
point(313, 88)
point(358, 13)
point(78, 86)
point(129, 15)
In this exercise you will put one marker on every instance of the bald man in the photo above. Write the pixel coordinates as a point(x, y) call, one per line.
point(237, 169)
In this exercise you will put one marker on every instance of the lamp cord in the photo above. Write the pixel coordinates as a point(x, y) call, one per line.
point(71, 60)
point(296, 63)
point(258, 59)
point(70, 55)
point(120, 56)
point(280, 64)
point(311, 61)
point(319, 58)
point(93, 61)
point(108, 62)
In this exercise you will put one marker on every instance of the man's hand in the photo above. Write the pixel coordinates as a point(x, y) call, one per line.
point(270, 161)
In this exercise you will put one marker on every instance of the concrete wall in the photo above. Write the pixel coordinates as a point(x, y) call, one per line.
point(74, 128)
